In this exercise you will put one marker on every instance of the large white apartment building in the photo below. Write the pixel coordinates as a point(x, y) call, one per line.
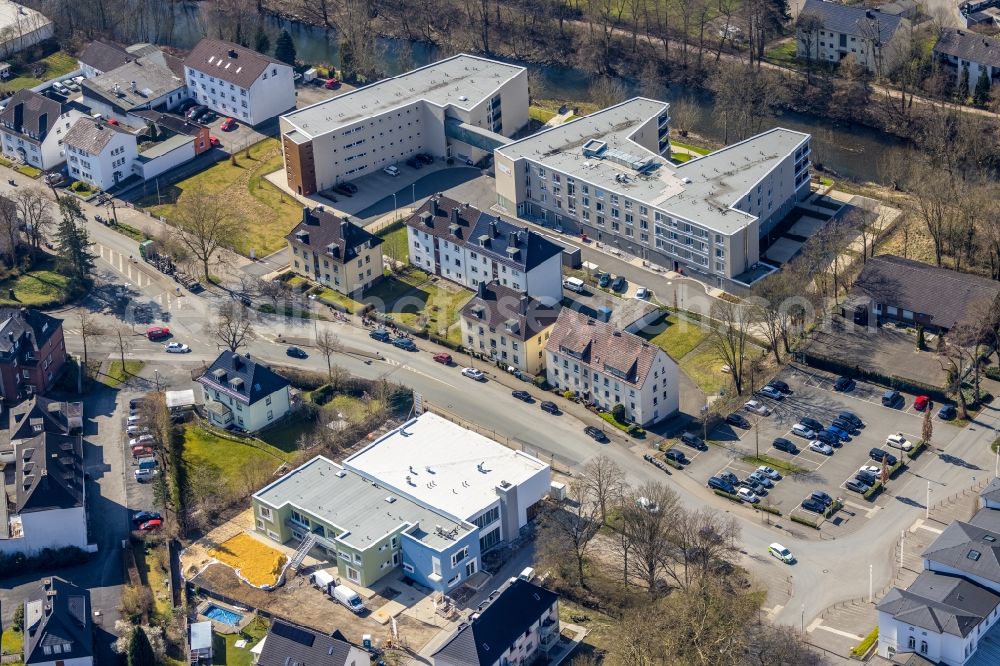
point(461, 107)
point(608, 366)
point(465, 245)
point(33, 126)
point(829, 32)
point(606, 175)
point(239, 82)
point(100, 153)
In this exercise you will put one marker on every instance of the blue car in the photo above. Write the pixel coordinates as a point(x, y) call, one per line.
point(381, 335)
point(828, 437)
point(404, 343)
point(718, 484)
point(842, 434)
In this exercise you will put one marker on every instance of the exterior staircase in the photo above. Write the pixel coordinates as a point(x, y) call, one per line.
point(300, 553)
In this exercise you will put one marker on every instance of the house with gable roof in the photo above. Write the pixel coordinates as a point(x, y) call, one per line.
point(57, 625)
point(244, 394)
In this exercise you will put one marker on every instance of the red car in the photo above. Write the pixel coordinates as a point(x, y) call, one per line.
point(112, 121)
point(444, 359)
point(157, 332)
point(214, 140)
point(228, 125)
point(920, 403)
point(141, 451)
point(151, 525)
point(331, 83)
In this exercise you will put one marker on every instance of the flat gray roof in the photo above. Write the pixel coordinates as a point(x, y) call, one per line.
point(165, 146)
point(344, 499)
point(462, 81)
point(717, 180)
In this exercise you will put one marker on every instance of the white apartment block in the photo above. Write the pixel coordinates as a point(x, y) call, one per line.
point(878, 42)
point(461, 107)
point(607, 176)
point(238, 82)
point(99, 153)
point(607, 367)
point(33, 128)
point(465, 245)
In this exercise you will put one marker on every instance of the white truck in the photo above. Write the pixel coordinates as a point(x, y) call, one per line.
point(573, 284)
point(349, 598)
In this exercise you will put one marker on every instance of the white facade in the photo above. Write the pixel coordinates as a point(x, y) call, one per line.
point(109, 166)
point(172, 153)
point(941, 648)
point(252, 417)
point(47, 154)
point(54, 528)
point(21, 27)
point(272, 93)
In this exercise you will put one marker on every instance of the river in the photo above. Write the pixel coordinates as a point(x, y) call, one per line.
point(852, 151)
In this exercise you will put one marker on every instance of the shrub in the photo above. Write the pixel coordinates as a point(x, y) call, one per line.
point(833, 508)
point(874, 490)
point(618, 411)
point(567, 394)
point(804, 521)
point(861, 649)
point(993, 373)
point(17, 622)
point(729, 496)
point(768, 509)
point(676, 465)
point(917, 449)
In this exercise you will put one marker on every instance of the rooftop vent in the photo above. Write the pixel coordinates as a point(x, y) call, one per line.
point(341, 474)
point(390, 499)
point(232, 53)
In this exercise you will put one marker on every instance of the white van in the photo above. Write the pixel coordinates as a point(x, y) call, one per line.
point(349, 598)
point(573, 284)
point(527, 574)
point(323, 580)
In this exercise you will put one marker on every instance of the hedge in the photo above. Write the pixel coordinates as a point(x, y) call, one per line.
point(729, 496)
point(917, 449)
point(768, 509)
point(631, 429)
point(993, 373)
point(873, 491)
point(804, 521)
point(673, 463)
point(861, 649)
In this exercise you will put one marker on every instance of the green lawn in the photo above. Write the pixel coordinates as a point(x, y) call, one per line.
point(680, 158)
point(336, 298)
point(699, 150)
point(432, 305)
point(28, 170)
point(224, 650)
point(783, 53)
point(395, 245)
point(228, 456)
point(118, 375)
point(56, 66)
point(678, 337)
point(40, 288)
point(703, 366)
point(269, 213)
point(12, 642)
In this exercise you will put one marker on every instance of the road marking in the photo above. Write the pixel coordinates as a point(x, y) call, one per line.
point(919, 525)
point(868, 510)
point(774, 611)
point(845, 634)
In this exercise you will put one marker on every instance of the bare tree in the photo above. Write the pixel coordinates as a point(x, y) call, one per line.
point(10, 229)
point(807, 29)
point(207, 226)
point(602, 480)
point(954, 360)
point(865, 218)
point(89, 327)
point(570, 528)
point(328, 344)
point(729, 337)
point(35, 210)
point(605, 92)
point(683, 116)
point(233, 326)
point(124, 346)
point(647, 520)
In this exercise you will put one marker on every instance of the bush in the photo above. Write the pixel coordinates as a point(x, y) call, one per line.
point(675, 464)
point(918, 448)
point(833, 508)
point(873, 491)
point(618, 411)
point(768, 509)
point(862, 648)
point(568, 394)
point(729, 496)
point(993, 373)
point(804, 521)
point(17, 622)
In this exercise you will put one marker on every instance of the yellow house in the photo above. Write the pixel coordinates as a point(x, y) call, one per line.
point(335, 252)
point(508, 326)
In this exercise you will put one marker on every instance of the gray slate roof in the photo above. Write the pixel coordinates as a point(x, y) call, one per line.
point(30, 329)
point(152, 80)
point(288, 644)
point(331, 235)
point(48, 473)
point(258, 380)
point(969, 549)
point(103, 56)
point(229, 62)
point(91, 136)
point(942, 604)
point(943, 294)
point(31, 115)
point(504, 308)
point(992, 491)
point(57, 614)
point(851, 20)
point(970, 46)
point(504, 621)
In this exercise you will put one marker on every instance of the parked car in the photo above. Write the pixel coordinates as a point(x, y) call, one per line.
point(214, 141)
point(716, 483)
point(206, 116)
point(821, 447)
point(866, 478)
point(425, 158)
point(195, 110)
point(642, 293)
point(852, 417)
point(747, 495)
point(870, 469)
point(522, 395)
point(820, 496)
point(738, 420)
point(846, 426)
point(694, 441)
point(150, 525)
point(142, 451)
point(349, 187)
point(142, 516)
point(843, 384)
point(815, 506)
point(228, 125)
point(840, 433)
point(414, 163)
point(753, 486)
point(780, 552)
point(947, 412)
point(857, 486)
point(176, 348)
point(596, 433)
point(878, 455)
point(619, 284)
point(675, 455)
point(785, 445)
point(898, 441)
point(136, 429)
point(757, 407)
point(920, 403)
point(392, 170)
point(442, 358)
point(381, 335)
point(550, 407)
point(892, 399)
point(769, 472)
point(142, 440)
point(157, 332)
point(772, 393)
point(142, 475)
point(762, 479)
point(802, 431)
point(136, 403)
point(295, 352)
point(811, 423)
point(604, 280)
point(405, 344)
point(828, 438)
point(474, 373)
point(729, 477)
point(331, 83)
point(780, 386)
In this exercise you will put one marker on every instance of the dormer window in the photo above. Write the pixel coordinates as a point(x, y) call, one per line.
point(236, 384)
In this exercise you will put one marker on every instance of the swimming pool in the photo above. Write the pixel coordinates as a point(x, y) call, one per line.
point(213, 612)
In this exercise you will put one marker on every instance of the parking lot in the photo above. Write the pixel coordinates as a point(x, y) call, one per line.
point(140, 495)
point(812, 395)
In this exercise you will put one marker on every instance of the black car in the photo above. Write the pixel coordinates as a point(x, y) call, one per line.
point(852, 417)
point(694, 441)
point(414, 163)
point(675, 455)
point(718, 484)
point(618, 284)
point(381, 335)
point(738, 420)
point(878, 455)
point(550, 407)
point(947, 412)
point(596, 433)
point(857, 486)
point(846, 426)
point(844, 384)
point(893, 399)
point(405, 344)
point(350, 187)
point(811, 423)
point(780, 386)
point(425, 158)
point(809, 504)
point(729, 477)
point(785, 445)
point(295, 352)
point(820, 496)
point(521, 395)
point(341, 188)
point(753, 486)
point(195, 111)
point(143, 516)
point(866, 478)
point(828, 437)
point(136, 403)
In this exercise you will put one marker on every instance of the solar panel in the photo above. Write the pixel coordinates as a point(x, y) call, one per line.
point(300, 636)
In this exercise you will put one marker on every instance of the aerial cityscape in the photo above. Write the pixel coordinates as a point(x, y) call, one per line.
point(618, 333)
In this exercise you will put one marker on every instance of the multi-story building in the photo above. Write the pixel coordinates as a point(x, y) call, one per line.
point(509, 326)
point(33, 127)
point(100, 153)
point(605, 175)
point(239, 82)
point(57, 625)
point(877, 41)
point(608, 366)
point(142, 84)
point(495, 488)
point(243, 393)
point(21, 27)
point(335, 252)
point(517, 626)
point(461, 107)
point(33, 416)
point(465, 245)
point(32, 352)
point(98, 57)
point(961, 49)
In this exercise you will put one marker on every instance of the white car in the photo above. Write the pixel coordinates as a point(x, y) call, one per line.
point(747, 495)
point(757, 407)
point(782, 553)
point(176, 348)
point(899, 442)
point(769, 472)
point(803, 431)
point(136, 429)
point(392, 170)
point(141, 440)
point(473, 373)
point(133, 419)
point(642, 293)
point(820, 447)
point(144, 474)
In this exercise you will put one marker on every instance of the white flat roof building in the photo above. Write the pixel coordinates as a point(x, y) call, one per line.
point(21, 27)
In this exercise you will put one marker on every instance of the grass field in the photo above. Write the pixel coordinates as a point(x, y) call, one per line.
point(41, 288)
point(117, 374)
point(269, 213)
point(258, 563)
point(224, 650)
point(698, 150)
point(783, 53)
point(56, 65)
point(395, 245)
point(228, 456)
point(12, 641)
point(703, 366)
point(678, 337)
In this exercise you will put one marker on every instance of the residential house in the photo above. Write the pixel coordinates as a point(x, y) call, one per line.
point(335, 252)
point(176, 124)
point(236, 81)
point(57, 625)
point(508, 326)
point(99, 153)
point(33, 127)
point(878, 41)
point(200, 642)
point(497, 489)
point(99, 57)
point(990, 495)
point(153, 82)
point(460, 108)
point(32, 352)
point(465, 245)
point(909, 9)
point(244, 394)
point(34, 415)
point(287, 644)
point(892, 288)
point(21, 27)
point(608, 366)
point(518, 626)
point(961, 49)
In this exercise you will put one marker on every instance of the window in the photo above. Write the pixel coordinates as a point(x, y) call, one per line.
point(459, 556)
point(353, 574)
point(408, 568)
point(453, 581)
point(264, 512)
point(923, 647)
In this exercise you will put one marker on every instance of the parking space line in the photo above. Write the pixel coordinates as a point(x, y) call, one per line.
point(869, 510)
point(919, 525)
point(845, 634)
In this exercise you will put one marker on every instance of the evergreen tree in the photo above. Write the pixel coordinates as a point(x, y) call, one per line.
point(963, 85)
point(140, 652)
point(17, 622)
point(982, 95)
point(284, 48)
point(262, 44)
point(73, 243)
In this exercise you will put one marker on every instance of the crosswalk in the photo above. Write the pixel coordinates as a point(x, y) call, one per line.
point(124, 265)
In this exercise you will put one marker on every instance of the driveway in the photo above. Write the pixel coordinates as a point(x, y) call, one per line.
point(417, 190)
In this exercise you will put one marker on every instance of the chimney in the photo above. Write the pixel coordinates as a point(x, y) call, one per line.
point(435, 209)
point(454, 215)
point(482, 289)
point(306, 216)
point(524, 304)
point(19, 116)
point(343, 228)
point(232, 53)
point(512, 239)
point(493, 229)
point(869, 13)
point(134, 86)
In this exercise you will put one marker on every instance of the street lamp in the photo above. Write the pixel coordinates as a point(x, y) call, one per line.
point(395, 208)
